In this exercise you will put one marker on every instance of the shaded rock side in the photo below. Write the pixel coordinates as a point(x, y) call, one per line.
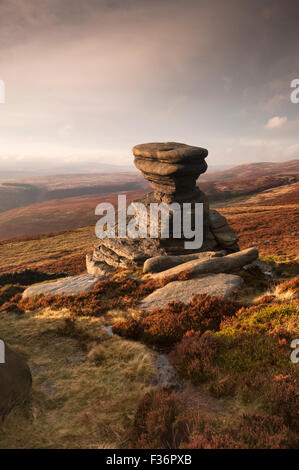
point(219, 285)
point(97, 269)
point(224, 234)
point(15, 382)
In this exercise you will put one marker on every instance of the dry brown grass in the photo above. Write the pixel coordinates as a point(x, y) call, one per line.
point(33, 252)
point(273, 229)
point(86, 384)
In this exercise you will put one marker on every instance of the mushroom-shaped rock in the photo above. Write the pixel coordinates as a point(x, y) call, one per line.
point(171, 168)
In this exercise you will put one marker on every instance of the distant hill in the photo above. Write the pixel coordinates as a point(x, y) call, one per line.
point(25, 191)
point(281, 195)
point(56, 214)
point(62, 202)
point(34, 170)
point(253, 170)
point(237, 190)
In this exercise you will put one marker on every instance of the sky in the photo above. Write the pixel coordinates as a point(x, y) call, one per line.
point(86, 81)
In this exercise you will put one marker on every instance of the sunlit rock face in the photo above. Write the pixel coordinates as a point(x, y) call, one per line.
point(172, 170)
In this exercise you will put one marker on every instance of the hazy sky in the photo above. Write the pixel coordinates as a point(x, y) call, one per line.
point(87, 80)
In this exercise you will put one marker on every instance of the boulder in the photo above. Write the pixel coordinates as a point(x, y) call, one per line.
point(213, 265)
point(219, 285)
point(223, 233)
point(15, 381)
point(97, 269)
point(72, 285)
point(161, 263)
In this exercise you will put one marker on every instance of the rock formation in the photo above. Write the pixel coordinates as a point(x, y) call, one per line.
point(172, 169)
point(212, 264)
point(218, 285)
point(71, 285)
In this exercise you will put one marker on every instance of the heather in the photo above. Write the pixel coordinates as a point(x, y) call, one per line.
point(235, 351)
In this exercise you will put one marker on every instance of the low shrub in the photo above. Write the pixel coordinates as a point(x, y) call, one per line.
point(291, 286)
point(244, 357)
point(75, 264)
point(166, 326)
point(119, 293)
point(254, 431)
point(8, 292)
point(161, 422)
point(27, 277)
point(283, 399)
point(156, 424)
point(10, 307)
point(194, 356)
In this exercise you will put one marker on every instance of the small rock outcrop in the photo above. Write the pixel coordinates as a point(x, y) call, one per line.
point(15, 382)
point(219, 285)
point(220, 264)
point(72, 285)
point(161, 263)
point(172, 169)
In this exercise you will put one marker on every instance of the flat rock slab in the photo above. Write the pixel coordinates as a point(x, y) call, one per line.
point(72, 285)
point(222, 264)
point(219, 285)
point(161, 263)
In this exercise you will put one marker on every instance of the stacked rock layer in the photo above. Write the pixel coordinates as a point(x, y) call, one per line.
point(172, 169)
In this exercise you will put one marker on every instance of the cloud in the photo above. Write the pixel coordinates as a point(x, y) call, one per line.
point(276, 122)
point(94, 78)
point(65, 131)
point(276, 101)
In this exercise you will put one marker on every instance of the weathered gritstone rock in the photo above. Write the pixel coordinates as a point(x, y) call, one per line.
point(161, 263)
point(172, 169)
point(265, 268)
point(97, 269)
point(223, 233)
point(15, 382)
point(72, 285)
point(218, 285)
point(220, 264)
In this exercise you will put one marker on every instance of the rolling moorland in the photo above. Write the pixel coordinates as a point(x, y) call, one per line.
point(68, 201)
point(210, 374)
